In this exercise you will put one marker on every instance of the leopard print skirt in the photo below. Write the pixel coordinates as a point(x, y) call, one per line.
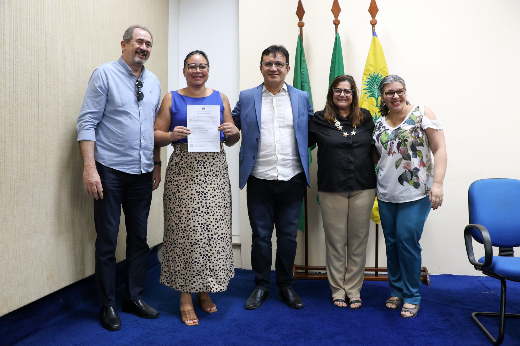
point(197, 253)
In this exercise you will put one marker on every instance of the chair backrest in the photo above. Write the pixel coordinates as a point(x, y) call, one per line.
point(495, 204)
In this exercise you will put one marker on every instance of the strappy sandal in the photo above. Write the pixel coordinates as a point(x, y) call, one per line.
point(413, 311)
point(339, 300)
point(189, 315)
point(206, 304)
point(394, 301)
point(355, 301)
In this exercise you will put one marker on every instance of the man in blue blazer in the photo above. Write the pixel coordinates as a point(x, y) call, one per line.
point(273, 118)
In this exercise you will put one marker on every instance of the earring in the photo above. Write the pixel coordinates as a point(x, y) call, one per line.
point(383, 104)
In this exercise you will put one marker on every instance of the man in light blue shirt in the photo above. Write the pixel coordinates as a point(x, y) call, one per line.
point(115, 132)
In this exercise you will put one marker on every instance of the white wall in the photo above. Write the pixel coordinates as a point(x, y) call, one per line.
point(173, 50)
point(457, 57)
point(210, 26)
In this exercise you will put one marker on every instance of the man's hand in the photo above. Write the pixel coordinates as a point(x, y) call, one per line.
point(156, 176)
point(92, 183)
point(91, 179)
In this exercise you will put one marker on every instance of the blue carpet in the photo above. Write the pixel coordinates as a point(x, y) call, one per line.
point(444, 317)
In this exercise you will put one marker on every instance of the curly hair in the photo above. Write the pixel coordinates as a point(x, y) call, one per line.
point(331, 110)
point(195, 52)
point(391, 78)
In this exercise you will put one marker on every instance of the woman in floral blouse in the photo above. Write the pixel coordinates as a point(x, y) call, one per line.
point(405, 137)
point(346, 185)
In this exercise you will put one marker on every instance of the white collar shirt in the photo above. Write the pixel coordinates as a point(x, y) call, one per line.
point(278, 157)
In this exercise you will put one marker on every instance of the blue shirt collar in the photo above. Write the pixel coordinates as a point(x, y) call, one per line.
point(129, 70)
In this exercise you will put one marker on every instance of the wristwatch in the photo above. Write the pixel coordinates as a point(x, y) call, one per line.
point(157, 163)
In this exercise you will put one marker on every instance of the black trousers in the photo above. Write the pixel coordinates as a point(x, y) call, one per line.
point(134, 193)
point(274, 203)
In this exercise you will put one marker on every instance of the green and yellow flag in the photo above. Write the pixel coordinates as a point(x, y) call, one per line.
point(336, 63)
point(301, 81)
point(375, 71)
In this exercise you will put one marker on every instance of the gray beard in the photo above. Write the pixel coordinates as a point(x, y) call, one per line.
point(139, 61)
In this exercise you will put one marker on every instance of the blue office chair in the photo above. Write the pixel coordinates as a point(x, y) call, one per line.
point(494, 217)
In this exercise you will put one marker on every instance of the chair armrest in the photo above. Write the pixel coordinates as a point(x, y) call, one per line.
point(488, 247)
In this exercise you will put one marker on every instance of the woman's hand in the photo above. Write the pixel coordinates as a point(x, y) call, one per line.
point(179, 132)
point(229, 129)
point(436, 195)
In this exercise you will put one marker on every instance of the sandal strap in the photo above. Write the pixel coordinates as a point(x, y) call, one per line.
point(412, 310)
point(396, 302)
point(189, 315)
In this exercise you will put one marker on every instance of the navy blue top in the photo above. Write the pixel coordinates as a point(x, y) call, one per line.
point(179, 109)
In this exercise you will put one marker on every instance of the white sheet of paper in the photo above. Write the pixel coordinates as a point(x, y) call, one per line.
point(203, 122)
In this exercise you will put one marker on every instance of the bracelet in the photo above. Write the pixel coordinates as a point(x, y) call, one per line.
point(157, 163)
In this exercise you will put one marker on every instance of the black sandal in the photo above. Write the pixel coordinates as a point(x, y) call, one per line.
point(339, 300)
point(355, 301)
point(396, 302)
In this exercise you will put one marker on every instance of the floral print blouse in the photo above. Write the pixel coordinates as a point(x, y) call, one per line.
point(406, 166)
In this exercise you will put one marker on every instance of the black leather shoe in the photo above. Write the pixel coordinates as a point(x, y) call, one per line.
point(109, 318)
point(256, 298)
point(140, 308)
point(289, 296)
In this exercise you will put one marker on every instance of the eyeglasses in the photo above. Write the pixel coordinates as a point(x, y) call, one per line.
point(277, 64)
point(338, 91)
point(140, 95)
point(194, 67)
point(391, 93)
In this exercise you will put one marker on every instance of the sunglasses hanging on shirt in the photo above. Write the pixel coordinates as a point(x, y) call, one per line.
point(140, 95)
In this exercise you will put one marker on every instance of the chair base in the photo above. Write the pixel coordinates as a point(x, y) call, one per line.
point(500, 338)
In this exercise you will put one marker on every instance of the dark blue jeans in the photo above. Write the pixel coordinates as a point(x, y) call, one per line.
point(274, 203)
point(134, 193)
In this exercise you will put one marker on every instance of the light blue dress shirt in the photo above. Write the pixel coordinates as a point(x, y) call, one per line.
point(121, 126)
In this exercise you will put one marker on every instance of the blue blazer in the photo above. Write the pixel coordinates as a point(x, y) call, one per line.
point(247, 117)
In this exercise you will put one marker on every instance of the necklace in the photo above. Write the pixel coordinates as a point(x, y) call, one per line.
point(340, 128)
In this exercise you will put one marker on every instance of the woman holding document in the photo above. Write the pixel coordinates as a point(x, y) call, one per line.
point(197, 255)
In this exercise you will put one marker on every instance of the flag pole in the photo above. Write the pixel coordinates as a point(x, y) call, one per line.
point(372, 9)
point(300, 12)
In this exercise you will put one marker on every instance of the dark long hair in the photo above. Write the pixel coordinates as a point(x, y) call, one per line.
point(331, 111)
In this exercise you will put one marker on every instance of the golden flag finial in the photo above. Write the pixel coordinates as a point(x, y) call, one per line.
point(335, 11)
point(373, 12)
point(300, 12)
